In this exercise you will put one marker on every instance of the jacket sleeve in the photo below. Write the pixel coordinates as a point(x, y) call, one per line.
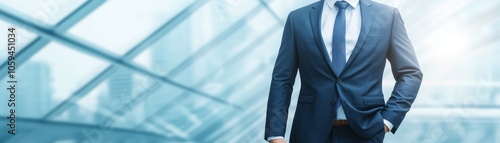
point(283, 79)
point(406, 72)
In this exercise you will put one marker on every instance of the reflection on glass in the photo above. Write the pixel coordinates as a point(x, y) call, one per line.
point(118, 25)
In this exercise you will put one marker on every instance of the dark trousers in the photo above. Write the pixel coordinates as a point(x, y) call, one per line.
point(345, 134)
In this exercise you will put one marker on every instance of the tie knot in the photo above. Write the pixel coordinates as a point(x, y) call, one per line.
point(341, 4)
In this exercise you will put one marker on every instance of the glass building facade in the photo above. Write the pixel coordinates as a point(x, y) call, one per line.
point(149, 71)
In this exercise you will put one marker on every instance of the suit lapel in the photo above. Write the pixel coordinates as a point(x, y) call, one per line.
point(315, 16)
point(366, 24)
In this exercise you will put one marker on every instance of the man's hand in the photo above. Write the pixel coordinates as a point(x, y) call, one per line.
point(386, 129)
point(277, 141)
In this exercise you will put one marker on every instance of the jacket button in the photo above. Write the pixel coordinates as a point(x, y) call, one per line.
point(334, 101)
point(339, 80)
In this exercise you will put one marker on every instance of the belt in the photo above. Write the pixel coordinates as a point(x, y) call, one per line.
point(338, 123)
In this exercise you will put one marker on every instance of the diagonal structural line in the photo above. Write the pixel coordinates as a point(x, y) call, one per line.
point(168, 26)
point(154, 86)
point(136, 50)
point(212, 44)
point(181, 98)
point(62, 26)
point(215, 135)
point(250, 77)
point(252, 123)
point(242, 83)
point(233, 60)
point(207, 48)
point(98, 52)
point(231, 89)
point(237, 57)
point(272, 12)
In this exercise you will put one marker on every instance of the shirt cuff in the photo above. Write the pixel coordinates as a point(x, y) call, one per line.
point(388, 124)
point(274, 137)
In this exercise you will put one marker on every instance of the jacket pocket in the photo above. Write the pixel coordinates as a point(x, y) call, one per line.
point(306, 98)
point(374, 100)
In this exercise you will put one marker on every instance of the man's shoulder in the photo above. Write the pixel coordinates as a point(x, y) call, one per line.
point(319, 4)
point(306, 9)
point(380, 6)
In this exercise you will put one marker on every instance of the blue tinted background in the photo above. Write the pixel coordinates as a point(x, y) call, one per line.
point(199, 70)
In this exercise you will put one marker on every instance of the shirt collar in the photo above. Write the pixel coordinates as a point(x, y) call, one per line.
point(331, 3)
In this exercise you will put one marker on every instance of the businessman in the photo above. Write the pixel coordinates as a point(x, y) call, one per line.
point(340, 48)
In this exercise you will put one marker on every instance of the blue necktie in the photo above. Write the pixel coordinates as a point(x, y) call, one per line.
point(338, 43)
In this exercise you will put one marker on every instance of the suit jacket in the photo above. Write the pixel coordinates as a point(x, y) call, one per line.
point(359, 85)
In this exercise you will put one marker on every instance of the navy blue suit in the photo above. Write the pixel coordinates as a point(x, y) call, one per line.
point(359, 86)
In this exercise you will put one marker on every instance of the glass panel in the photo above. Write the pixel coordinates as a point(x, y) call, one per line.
point(227, 48)
point(45, 11)
point(119, 25)
point(24, 37)
point(182, 119)
point(217, 16)
point(198, 109)
point(211, 60)
point(189, 36)
point(125, 100)
point(168, 51)
point(51, 76)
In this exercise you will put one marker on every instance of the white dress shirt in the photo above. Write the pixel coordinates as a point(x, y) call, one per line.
point(353, 29)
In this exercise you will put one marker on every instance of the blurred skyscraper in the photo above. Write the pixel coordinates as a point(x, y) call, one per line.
point(120, 90)
point(217, 70)
point(34, 92)
point(167, 54)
